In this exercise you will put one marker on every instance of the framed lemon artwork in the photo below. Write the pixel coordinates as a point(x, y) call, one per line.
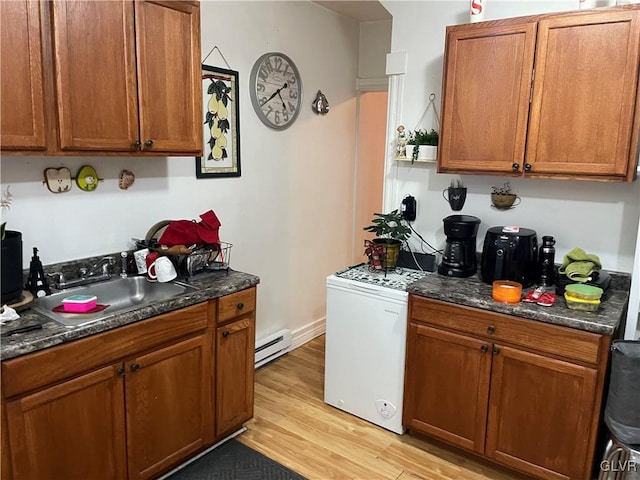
point(221, 152)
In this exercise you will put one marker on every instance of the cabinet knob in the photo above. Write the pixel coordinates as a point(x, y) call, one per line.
point(149, 143)
point(496, 350)
point(515, 167)
point(491, 329)
point(484, 348)
point(138, 145)
point(240, 306)
point(120, 372)
point(135, 367)
point(225, 334)
point(527, 167)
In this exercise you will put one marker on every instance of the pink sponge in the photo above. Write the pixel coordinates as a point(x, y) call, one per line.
point(79, 303)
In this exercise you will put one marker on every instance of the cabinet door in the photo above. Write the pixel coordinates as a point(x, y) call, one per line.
point(22, 98)
point(447, 386)
point(74, 430)
point(94, 56)
point(584, 95)
point(169, 406)
point(235, 360)
point(540, 414)
point(169, 76)
point(486, 98)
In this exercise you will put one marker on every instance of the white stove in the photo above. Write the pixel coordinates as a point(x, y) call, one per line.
point(365, 343)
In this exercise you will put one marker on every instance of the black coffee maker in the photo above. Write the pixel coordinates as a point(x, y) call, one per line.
point(459, 257)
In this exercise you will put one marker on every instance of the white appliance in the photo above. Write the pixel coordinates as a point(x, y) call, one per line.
point(365, 344)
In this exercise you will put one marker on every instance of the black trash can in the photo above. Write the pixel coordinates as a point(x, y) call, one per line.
point(622, 411)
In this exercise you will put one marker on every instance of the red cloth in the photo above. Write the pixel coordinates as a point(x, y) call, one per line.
point(188, 232)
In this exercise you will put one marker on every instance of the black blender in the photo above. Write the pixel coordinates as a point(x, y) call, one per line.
point(459, 257)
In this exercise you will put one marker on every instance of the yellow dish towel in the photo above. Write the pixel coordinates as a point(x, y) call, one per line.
point(579, 265)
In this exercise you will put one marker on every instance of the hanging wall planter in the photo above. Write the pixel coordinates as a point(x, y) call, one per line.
point(421, 144)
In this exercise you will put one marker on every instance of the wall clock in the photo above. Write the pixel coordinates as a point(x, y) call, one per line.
point(275, 88)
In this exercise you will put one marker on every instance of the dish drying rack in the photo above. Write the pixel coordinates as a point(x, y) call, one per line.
point(221, 260)
point(207, 258)
point(204, 258)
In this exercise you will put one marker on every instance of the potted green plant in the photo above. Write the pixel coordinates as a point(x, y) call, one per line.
point(425, 143)
point(428, 145)
point(412, 146)
point(391, 230)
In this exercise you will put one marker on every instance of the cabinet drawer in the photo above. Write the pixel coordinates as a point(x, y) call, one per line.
point(566, 342)
point(239, 303)
point(53, 364)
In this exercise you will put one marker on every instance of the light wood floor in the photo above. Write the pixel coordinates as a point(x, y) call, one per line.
point(293, 426)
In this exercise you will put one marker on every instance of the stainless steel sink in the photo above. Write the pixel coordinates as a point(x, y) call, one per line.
point(120, 294)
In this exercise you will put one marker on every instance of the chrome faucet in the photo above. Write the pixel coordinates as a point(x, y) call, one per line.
point(86, 275)
point(104, 262)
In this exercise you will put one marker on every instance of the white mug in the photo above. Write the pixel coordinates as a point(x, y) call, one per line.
point(140, 257)
point(162, 270)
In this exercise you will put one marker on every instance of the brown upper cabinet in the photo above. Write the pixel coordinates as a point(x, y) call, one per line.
point(548, 96)
point(124, 77)
point(22, 124)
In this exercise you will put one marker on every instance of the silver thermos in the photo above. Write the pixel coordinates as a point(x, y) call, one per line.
point(546, 262)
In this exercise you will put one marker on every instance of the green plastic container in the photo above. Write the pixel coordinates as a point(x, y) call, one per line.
point(584, 292)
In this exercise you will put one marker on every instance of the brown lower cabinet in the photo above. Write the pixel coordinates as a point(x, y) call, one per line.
point(522, 393)
point(235, 347)
point(129, 403)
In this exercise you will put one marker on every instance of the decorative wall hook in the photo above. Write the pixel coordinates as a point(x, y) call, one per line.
point(127, 177)
point(320, 105)
point(57, 180)
point(87, 178)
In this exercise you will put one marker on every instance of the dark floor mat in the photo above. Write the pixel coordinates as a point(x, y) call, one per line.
point(234, 461)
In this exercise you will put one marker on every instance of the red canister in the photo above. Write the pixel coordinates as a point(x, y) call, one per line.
point(151, 257)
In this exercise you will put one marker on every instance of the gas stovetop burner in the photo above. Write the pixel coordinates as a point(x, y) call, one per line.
point(397, 279)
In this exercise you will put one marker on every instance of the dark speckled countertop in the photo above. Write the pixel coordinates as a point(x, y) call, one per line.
point(207, 286)
point(473, 292)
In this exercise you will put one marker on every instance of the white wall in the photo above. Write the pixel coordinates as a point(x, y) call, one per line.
point(602, 218)
point(289, 216)
point(375, 42)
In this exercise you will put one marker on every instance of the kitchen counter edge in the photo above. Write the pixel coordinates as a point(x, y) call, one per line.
point(52, 334)
point(472, 292)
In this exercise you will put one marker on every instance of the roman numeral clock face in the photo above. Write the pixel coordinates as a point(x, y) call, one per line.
point(275, 90)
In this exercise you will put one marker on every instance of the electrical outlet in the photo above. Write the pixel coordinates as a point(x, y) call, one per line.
point(408, 208)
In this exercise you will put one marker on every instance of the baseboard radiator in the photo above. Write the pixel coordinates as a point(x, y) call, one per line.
point(272, 347)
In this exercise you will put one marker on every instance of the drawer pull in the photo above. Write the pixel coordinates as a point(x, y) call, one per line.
point(491, 329)
point(225, 334)
point(496, 350)
point(135, 367)
point(240, 306)
point(484, 348)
